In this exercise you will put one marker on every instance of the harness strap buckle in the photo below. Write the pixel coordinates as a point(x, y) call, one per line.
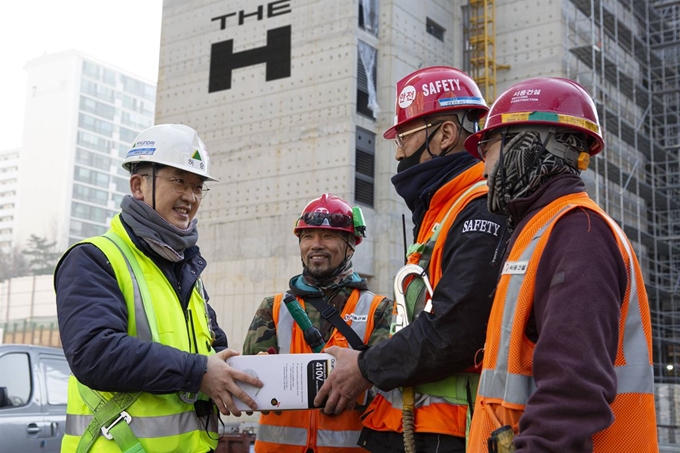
point(123, 416)
point(329, 311)
point(188, 397)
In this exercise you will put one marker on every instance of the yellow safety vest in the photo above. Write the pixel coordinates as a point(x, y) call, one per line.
point(160, 423)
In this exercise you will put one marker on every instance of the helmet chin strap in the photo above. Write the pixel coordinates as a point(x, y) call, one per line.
point(414, 159)
point(153, 186)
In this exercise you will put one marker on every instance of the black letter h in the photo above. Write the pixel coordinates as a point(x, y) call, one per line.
point(276, 55)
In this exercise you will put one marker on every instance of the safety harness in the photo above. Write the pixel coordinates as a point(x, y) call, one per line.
point(458, 389)
point(423, 252)
point(107, 419)
point(331, 314)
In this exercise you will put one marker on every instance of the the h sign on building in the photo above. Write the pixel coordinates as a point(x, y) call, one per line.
point(275, 54)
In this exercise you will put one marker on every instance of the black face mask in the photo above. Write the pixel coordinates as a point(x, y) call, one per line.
point(414, 159)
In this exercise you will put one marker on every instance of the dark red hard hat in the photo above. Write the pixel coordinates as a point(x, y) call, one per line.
point(551, 101)
point(434, 90)
point(330, 212)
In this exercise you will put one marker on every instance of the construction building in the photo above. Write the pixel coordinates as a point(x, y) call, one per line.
point(626, 53)
point(292, 98)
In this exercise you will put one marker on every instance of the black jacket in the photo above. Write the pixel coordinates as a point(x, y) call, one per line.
point(93, 325)
point(438, 345)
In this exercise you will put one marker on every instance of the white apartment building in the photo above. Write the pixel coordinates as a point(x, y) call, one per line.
point(81, 117)
point(9, 173)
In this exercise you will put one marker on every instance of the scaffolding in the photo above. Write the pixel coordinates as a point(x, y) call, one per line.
point(627, 55)
point(480, 51)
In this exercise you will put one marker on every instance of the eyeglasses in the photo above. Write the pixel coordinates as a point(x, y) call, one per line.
point(181, 186)
point(483, 145)
point(325, 219)
point(399, 138)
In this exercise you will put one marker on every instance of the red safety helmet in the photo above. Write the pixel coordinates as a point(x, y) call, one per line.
point(549, 101)
point(330, 212)
point(436, 90)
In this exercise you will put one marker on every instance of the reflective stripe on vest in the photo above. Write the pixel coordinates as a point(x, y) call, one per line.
point(108, 244)
point(149, 427)
point(503, 394)
point(297, 431)
point(422, 400)
point(359, 315)
point(433, 414)
point(152, 415)
point(516, 388)
point(145, 320)
point(286, 435)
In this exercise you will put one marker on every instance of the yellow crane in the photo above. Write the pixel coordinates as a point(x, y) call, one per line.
point(482, 42)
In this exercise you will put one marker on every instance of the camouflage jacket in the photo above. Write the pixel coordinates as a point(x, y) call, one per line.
point(262, 332)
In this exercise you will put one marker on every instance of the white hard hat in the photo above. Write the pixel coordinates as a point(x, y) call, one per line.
point(173, 145)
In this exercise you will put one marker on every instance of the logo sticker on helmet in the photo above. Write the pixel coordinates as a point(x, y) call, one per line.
point(407, 96)
point(191, 162)
point(196, 156)
point(466, 100)
point(143, 143)
point(140, 152)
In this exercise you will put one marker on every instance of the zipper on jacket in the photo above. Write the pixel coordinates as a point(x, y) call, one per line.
point(191, 333)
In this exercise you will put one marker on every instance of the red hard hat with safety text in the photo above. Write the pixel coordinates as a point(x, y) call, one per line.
point(330, 212)
point(435, 90)
point(549, 101)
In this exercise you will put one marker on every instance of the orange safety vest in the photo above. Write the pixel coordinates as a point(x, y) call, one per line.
point(440, 407)
point(298, 431)
point(507, 380)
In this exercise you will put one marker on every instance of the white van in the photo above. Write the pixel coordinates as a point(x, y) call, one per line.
point(33, 390)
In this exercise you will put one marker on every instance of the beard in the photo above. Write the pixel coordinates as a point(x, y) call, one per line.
point(320, 271)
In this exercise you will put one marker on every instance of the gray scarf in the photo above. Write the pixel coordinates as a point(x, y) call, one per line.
point(526, 166)
point(164, 238)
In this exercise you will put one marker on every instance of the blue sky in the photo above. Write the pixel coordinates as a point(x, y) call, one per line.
point(124, 33)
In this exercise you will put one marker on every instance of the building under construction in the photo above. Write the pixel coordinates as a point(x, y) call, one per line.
point(626, 53)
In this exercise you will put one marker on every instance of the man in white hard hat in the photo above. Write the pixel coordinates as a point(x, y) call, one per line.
point(147, 355)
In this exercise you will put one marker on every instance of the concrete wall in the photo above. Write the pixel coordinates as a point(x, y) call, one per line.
point(277, 144)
